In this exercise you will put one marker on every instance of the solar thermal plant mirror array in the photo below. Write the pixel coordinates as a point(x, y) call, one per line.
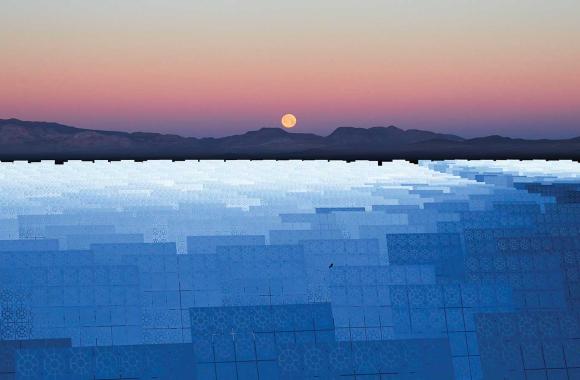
point(247, 270)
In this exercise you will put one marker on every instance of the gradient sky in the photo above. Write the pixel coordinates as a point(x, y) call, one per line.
point(217, 67)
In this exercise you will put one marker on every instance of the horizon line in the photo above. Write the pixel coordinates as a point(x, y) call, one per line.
point(288, 131)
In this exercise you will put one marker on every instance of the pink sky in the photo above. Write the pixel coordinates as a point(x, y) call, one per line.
point(222, 67)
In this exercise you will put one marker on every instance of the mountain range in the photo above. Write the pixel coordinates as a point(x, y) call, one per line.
point(27, 140)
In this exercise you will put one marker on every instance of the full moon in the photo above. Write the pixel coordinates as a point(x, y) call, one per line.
point(288, 120)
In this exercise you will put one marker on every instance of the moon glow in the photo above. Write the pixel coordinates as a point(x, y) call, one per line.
point(289, 120)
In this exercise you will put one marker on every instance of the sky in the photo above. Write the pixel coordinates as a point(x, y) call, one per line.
point(221, 67)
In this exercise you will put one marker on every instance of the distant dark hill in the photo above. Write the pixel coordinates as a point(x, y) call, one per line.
point(380, 137)
point(269, 140)
point(32, 140)
point(25, 140)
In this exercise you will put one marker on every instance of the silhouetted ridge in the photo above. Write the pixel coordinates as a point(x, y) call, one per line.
point(43, 140)
point(492, 139)
point(381, 136)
